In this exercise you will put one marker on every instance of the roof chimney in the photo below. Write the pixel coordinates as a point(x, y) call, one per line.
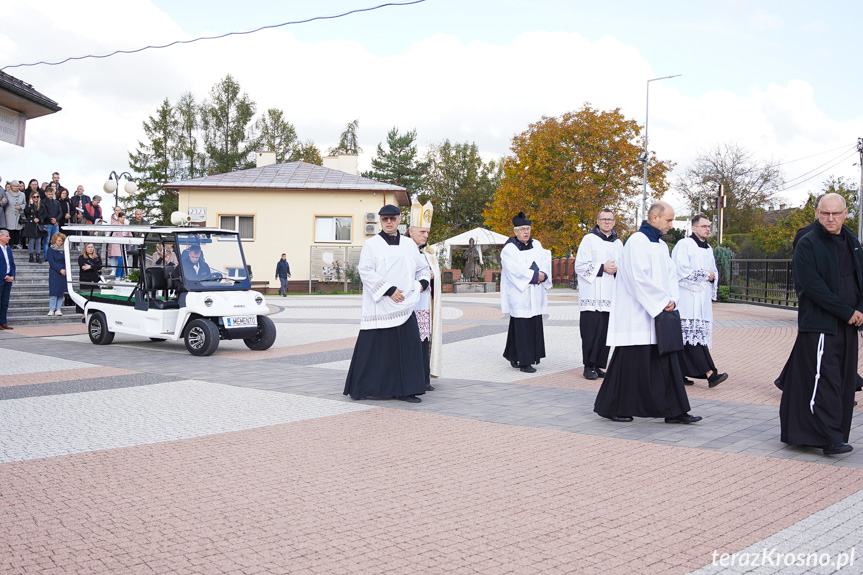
point(265, 159)
point(343, 162)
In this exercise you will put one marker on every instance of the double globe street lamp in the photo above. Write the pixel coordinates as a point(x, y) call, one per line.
point(112, 185)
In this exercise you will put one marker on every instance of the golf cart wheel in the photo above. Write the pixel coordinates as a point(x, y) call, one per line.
point(97, 329)
point(202, 337)
point(265, 337)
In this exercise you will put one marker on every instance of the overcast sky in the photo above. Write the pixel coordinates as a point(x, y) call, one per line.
point(780, 78)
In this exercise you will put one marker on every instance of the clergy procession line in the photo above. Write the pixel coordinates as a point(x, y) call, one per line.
point(654, 308)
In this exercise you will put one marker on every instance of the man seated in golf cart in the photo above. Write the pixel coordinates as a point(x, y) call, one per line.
point(194, 266)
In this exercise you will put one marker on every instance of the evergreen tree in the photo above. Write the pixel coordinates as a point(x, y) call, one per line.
point(156, 163)
point(225, 118)
point(348, 143)
point(398, 165)
point(192, 161)
point(275, 134)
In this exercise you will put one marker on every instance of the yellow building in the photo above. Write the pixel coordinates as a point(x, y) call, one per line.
point(319, 216)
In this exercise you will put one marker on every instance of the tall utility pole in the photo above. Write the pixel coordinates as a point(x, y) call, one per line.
point(644, 155)
point(720, 210)
point(860, 191)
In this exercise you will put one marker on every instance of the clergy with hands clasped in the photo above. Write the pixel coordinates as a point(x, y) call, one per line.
point(596, 266)
point(818, 386)
point(697, 278)
point(388, 358)
point(427, 309)
point(640, 382)
point(525, 277)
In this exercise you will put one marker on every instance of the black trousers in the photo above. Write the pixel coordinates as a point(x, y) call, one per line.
point(525, 340)
point(593, 326)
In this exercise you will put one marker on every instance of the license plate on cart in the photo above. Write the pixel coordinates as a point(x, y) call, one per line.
point(240, 321)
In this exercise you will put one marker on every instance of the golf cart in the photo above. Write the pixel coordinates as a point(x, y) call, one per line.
point(201, 293)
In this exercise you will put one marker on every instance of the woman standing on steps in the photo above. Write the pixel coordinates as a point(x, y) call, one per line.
point(56, 274)
point(35, 213)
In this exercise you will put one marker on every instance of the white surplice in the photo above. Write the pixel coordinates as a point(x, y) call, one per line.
point(429, 318)
point(697, 292)
point(382, 266)
point(596, 292)
point(646, 282)
point(518, 297)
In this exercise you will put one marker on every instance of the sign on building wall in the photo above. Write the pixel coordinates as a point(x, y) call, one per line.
point(198, 215)
point(12, 125)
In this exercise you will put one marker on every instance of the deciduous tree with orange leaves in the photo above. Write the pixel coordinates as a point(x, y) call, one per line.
point(564, 169)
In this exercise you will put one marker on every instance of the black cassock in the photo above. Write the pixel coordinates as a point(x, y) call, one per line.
point(387, 363)
point(696, 361)
point(593, 326)
point(525, 340)
point(828, 419)
point(642, 383)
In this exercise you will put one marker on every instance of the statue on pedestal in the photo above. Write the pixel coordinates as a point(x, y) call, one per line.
point(471, 262)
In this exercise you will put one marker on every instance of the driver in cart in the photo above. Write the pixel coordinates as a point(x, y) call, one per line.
point(194, 266)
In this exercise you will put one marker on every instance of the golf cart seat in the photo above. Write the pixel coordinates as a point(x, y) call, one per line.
point(156, 282)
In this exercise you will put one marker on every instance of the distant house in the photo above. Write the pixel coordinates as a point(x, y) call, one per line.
point(319, 216)
point(20, 102)
point(771, 216)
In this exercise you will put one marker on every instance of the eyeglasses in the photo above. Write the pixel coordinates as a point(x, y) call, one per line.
point(522, 229)
point(389, 218)
point(606, 220)
point(831, 214)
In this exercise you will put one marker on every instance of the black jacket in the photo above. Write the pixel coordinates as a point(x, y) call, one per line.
point(816, 267)
point(53, 209)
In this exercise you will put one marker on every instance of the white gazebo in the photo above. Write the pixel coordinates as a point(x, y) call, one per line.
point(480, 236)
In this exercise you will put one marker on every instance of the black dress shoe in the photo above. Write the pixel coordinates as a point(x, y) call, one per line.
point(684, 418)
point(409, 398)
point(618, 418)
point(514, 363)
point(590, 373)
point(528, 369)
point(837, 448)
point(599, 372)
point(429, 388)
point(687, 381)
point(716, 379)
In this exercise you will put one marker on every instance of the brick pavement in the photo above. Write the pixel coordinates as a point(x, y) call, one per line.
point(138, 458)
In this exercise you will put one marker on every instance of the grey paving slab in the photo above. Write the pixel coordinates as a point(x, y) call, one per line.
point(83, 385)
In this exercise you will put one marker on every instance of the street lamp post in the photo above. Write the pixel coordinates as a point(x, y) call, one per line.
point(644, 155)
point(112, 185)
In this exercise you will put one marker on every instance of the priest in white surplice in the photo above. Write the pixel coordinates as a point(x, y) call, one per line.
point(525, 277)
point(640, 382)
point(427, 309)
point(596, 266)
point(697, 277)
point(388, 357)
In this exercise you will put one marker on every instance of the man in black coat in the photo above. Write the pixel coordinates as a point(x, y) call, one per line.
point(818, 386)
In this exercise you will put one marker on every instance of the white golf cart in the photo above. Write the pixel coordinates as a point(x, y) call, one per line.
point(203, 298)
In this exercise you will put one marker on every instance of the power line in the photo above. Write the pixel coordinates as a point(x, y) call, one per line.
point(844, 158)
point(813, 155)
point(817, 167)
point(306, 21)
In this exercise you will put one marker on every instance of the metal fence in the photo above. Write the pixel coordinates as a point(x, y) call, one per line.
point(764, 282)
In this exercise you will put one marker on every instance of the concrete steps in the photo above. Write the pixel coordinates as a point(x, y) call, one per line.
point(28, 301)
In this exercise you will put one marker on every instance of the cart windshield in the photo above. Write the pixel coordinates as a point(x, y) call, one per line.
point(212, 261)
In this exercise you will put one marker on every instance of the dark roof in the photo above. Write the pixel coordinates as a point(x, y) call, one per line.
point(22, 97)
point(770, 217)
point(292, 176)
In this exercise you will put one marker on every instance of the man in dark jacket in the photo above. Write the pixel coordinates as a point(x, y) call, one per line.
point(818, 386)
point(283, 272)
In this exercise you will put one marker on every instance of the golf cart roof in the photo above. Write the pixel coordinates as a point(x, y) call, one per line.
point(106, 228)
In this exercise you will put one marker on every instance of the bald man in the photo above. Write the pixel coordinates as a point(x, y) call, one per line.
point(818, 386)
point(640, 382)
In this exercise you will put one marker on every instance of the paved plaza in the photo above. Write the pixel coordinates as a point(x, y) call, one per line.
point(140, 458)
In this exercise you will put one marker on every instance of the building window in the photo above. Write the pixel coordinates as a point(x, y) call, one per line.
point(333, 228)
point(243, 224)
